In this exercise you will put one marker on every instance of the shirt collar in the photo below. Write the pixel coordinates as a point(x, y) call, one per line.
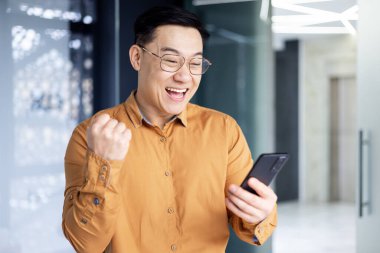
point(133, 110)
point(183, 117)
point(137, 118)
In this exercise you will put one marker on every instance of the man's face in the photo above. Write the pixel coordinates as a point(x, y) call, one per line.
point(166, 94)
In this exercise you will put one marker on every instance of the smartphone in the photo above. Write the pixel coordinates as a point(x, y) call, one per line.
point(265, 169)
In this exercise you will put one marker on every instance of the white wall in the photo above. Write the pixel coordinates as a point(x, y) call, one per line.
point(320, 59)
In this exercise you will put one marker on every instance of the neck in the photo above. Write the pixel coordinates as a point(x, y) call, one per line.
point(151, 115)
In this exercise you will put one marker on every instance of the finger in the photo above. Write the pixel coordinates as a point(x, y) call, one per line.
point(98, 123)
point(110, 125)
point(261, 189)
point(254, 215)
point(231, 206)
point(127, 133)
point(246, 196)
point(120, 127)
point(243, 205)
point(91, 121)
point(101, 119)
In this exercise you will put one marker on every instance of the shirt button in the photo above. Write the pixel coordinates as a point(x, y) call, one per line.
point(167, 173)
point(96, 201)
point(83, 220)
point(259, 230)
point(170, 210)
point(173, 247)
point(162, 139)
point(104, 168)
point(102, 177)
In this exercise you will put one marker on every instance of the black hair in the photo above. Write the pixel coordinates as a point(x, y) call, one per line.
point(147, 22)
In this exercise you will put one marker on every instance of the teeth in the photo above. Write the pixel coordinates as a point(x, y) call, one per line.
point(176, 90)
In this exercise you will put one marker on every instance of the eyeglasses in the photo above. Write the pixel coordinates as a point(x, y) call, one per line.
point(172, 63)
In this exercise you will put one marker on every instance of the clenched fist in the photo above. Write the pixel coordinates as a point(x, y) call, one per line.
point(108, 137)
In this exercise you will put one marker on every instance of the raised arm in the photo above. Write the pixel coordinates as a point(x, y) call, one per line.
point(93, 161)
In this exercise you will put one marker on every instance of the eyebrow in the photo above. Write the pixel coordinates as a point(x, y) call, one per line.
point(169, 49)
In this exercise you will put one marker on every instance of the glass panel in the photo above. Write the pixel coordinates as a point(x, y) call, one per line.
point(368, 187)
point(239, 82)
point(46, 92)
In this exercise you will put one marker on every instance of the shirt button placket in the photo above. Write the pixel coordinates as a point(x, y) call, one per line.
point(170, 210)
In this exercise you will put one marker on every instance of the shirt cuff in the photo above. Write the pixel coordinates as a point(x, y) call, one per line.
point(100, 179)
point(263, 230)
point(100, 173)
point(260, 232)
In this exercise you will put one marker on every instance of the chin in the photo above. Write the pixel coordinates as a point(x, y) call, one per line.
point(175, 110)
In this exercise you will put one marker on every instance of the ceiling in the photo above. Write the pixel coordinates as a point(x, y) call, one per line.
point(304, 19)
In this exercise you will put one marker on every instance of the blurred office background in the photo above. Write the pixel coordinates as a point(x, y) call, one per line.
point(300, 76)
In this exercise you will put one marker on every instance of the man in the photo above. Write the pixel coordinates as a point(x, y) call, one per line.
point(157, 173)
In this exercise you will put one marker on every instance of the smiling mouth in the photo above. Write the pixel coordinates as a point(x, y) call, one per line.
point(176, 94)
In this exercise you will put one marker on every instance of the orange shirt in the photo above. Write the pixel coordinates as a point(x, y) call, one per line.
point(168, 195)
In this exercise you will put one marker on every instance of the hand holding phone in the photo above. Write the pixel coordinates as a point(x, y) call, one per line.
point(265, 169)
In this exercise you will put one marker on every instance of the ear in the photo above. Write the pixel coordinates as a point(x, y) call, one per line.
point(135, 56)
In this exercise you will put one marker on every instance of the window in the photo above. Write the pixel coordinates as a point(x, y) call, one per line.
point(46, 89)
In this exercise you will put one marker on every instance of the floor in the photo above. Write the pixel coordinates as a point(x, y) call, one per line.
point(315, 228)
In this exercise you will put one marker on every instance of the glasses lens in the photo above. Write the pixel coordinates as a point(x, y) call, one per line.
point(195, 65)
point(171, 63)
point(199, 66)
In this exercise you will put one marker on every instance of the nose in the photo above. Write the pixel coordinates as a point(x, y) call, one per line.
point(183, 74)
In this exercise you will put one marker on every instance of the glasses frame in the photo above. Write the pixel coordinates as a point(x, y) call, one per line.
point(184, 61)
